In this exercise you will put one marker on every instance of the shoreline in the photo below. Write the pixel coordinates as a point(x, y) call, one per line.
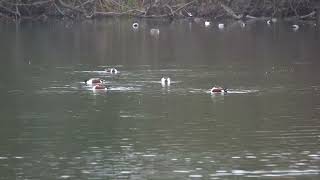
point(244, 10)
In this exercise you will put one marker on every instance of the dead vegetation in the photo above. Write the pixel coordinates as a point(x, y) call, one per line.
point(237, 9)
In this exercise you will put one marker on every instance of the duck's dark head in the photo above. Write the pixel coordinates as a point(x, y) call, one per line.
point(225, 90)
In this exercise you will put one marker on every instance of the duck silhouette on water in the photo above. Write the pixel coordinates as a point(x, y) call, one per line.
point(112, 71)
point(99, 87)
point(218, 90)
point(165, 81)
point(93, 81)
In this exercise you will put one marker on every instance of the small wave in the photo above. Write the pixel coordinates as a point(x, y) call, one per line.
point(236, 91)
point(181, 171)
point(124, 89)
point(124, 115)
point(90, 71)
point(263, 173)
point(197, 91)
point(195, 176)
point(47, 91)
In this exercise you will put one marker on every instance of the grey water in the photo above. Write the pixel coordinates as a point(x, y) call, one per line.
point(53, 126)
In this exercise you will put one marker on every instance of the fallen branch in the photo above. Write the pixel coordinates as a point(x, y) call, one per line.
point(63, 4)
point(30, 4)
point(171, 11)
point(183, 6)
point(313, 13)
point(230, 11)
point(99, 13)
point(8, 10)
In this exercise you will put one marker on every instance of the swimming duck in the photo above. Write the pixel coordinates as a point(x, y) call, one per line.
point(99, 87)
point(155, 32)
point(94, 81)
point(243, 25)
point(165, 81)
point(295, 27)
point(135, 25)
point(220, 26)
point(207, 23)
point(215, 90)
point(269, 22)
point(112, 70)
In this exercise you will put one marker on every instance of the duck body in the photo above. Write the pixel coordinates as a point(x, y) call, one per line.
point(99, 87)
point(165, 81)
point(155, 32)
point(295, 27)
point(135, 25)
point(217, 90)
point(94, 81)
point(112, 71)
point(220, 26)
point(269, 22)
point(207, 23)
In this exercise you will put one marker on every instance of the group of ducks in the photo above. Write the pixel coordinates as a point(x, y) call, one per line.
point(153, 31)
point(269, 22)
point(221, 26)
point(98, 84)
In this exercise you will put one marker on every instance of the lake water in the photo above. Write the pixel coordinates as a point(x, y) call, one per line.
point(53, 126)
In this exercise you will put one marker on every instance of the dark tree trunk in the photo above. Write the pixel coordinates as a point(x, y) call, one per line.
point(317, 9)
point(318, 15)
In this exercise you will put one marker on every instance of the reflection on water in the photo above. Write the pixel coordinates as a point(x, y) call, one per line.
point(53, 126)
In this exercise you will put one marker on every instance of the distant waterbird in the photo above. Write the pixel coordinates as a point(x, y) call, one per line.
point(221, 26)
point(135, 25)
point(112, 71)
point(207, 23)
point(269, 22)
point(94, 81)
point(243, 25)
point(295, 27)
point(154, 32)
point(218, 90)
point(165, 81)
point(99, 87)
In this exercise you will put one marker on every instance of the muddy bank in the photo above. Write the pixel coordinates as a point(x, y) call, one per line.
point(213, 9)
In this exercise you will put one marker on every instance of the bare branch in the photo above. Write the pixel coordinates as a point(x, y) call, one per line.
point(230, 11)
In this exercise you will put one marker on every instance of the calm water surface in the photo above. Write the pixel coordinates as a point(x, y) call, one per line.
point(55, 127)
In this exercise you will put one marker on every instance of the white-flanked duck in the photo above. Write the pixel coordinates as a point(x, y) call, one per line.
point(269, 22)
point(99, 87)
point(221, 26)
point(165, 81)
point(218, 90)
point(242, 24)
point(135, 25)
point(154, 32)
point(94, 81)
point(207, 23)
point(112, 70)
point(295, 27)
